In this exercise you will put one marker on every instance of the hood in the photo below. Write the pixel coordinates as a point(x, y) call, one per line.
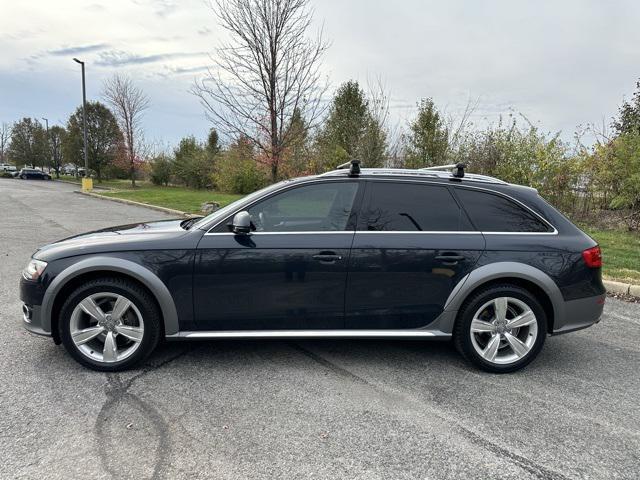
point(135, 236)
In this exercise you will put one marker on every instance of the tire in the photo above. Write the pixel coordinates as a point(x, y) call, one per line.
point(483, 335)
point(121, 333)
point(22, 177)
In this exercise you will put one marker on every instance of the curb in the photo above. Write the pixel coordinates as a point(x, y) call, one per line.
point(622, 288)
point(77, 184)
point(138, 204)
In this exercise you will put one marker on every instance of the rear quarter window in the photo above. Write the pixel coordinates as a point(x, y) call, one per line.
point(491, 212)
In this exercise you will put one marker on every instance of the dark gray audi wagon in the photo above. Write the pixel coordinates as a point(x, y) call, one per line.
point(359, 253)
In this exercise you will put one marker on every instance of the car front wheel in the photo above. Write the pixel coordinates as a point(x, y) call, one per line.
point(109, 324)
point(501, 329)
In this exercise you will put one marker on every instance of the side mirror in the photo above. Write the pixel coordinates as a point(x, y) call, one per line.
point(241, 223)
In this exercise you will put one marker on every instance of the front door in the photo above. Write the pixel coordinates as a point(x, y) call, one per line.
point(412, 246)
point(289, 273)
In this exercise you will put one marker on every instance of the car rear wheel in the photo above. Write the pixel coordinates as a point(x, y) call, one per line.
point(501, 329)
point(109, 324)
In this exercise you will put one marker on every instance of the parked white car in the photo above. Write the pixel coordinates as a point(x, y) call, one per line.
point(5, 167)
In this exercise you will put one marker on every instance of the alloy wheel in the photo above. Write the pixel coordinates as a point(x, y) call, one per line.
point(106, 327)
point(504, 330)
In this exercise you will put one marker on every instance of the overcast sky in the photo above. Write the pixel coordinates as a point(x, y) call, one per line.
point(561, 63)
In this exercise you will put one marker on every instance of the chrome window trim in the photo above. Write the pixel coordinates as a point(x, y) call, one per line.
point(320, 232)
point(369, 232)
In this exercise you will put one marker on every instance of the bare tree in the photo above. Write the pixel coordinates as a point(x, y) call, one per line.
point(268, 70)
point(128, 103)
point(5, 137)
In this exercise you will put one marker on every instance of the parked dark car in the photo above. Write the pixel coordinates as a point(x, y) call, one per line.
point(371, 253)
point(33, 174)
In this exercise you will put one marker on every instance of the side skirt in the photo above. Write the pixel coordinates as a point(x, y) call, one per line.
point(427, 334)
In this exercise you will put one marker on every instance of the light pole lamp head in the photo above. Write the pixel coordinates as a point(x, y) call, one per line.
point(78, 61)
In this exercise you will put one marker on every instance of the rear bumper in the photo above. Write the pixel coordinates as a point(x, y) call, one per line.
point(579, 314)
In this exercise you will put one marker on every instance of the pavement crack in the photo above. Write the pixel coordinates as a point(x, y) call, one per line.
point(119, 397)
point(537, 470)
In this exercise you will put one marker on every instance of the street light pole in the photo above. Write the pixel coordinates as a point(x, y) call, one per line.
point(87, 183)
point(46, 122)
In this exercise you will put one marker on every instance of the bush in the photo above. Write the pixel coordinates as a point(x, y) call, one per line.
point(242, 176)
point(161, 168)
point(193, 165)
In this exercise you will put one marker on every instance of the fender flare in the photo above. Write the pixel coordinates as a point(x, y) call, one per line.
point(496, 271)
point(111, 264)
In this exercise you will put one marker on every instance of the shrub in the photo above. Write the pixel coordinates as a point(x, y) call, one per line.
point(161, 168)
point(239, 175)
point(193, 165)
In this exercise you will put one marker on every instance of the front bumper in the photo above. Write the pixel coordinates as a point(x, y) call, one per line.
point(31, 294)
point(31, 320)
point(578, 314)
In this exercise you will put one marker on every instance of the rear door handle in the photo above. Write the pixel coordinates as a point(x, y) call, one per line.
point(450, 258)
point(327, 257)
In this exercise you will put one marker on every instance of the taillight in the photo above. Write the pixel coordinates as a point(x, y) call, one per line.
point(593, 257)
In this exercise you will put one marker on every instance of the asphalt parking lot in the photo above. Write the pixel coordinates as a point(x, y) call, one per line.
point(301, 409)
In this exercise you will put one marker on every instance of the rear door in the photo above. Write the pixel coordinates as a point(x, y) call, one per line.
point(413, 244)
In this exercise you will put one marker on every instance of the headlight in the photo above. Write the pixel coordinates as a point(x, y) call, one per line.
point(34, 269)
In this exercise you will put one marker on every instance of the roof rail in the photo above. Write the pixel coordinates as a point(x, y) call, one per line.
point(408, 172)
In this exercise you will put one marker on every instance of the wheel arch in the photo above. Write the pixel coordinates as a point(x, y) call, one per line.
point(107, 266)
point(541, 285)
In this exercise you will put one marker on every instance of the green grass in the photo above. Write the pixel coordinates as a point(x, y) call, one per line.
point(621, 253)
point(178, 198)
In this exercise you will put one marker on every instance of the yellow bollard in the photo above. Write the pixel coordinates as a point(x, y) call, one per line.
point(87, 184)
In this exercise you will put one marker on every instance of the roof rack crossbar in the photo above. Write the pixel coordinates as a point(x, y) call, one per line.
point(457, 169)
point(440, 167)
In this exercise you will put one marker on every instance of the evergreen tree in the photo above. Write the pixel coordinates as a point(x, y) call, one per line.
point(351, 131)
point(628, 120)
point(428, 137)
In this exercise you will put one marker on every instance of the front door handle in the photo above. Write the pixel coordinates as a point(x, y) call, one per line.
point(327, 257)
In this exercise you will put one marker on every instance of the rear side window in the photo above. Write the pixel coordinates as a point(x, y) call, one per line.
point(495, 213)
point(410, 207)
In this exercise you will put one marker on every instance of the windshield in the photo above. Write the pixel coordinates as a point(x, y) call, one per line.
point(237, 205)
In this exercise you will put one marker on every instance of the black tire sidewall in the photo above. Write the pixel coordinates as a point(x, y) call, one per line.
point(143, 303)
point(462, 332)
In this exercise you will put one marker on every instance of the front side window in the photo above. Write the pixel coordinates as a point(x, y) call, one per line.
point(495, 213)
point(310, 208)
point(410, 207)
